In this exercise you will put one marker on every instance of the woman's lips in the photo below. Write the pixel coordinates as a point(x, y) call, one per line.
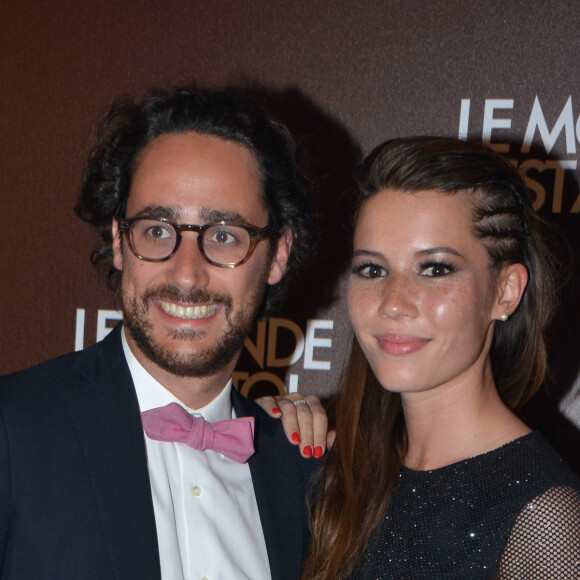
point(401, 344)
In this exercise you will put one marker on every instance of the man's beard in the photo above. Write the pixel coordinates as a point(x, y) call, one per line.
point(194, 363)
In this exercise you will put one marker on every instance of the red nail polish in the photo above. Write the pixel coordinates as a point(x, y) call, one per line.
point(318, 452)
point(307, 451)
point(295, 437)
point(276, 410)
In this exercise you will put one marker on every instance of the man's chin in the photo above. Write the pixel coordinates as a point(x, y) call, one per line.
point(187, 335)
point(187, 352)
point(193, 364)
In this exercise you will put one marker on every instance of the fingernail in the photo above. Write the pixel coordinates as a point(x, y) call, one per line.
point(276, 410)
point(307, 451)
point(318, 451)
point(295, 437)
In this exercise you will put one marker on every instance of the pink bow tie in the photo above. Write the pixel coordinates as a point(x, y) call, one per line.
point(233, 438)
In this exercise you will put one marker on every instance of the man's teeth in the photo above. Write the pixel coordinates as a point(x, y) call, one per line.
point(189, 312)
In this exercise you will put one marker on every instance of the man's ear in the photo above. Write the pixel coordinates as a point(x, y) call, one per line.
point(512, 283)
point(280, 257)
point(117, 249)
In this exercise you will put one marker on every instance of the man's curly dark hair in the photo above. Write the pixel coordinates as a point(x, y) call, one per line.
point(130, 125)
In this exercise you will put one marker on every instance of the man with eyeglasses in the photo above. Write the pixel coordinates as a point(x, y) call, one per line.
point(136, 459)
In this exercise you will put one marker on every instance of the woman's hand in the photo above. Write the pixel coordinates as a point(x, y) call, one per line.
point(304, 421)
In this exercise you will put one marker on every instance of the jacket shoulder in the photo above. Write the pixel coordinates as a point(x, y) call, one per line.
point(52, 375)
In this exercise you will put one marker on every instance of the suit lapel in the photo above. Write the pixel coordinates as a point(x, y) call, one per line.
point(105, 413)
point(279, 485)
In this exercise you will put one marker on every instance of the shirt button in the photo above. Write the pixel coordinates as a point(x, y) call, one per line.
point(196, 492)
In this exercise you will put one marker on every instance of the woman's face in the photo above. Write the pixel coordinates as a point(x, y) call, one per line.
point(419, 292)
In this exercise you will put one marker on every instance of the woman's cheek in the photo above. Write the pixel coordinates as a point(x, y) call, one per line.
point(361, 303)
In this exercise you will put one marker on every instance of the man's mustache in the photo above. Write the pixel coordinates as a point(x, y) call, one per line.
point(194, 297)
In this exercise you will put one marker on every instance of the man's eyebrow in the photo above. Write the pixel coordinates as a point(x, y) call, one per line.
point(157, 211)
point(206, 214)
point(211, 215)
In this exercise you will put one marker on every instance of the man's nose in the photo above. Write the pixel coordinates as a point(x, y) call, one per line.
point(187, 267)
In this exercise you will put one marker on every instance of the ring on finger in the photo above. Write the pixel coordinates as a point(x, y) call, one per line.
point(300, 402)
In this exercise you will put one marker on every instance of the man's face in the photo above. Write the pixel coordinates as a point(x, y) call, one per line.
point(185, 315)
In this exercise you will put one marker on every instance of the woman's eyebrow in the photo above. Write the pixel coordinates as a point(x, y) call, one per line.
point(363, 252)
point(425, 252)
point(439, 250)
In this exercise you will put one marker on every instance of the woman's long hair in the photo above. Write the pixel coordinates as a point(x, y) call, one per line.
point(362, 469)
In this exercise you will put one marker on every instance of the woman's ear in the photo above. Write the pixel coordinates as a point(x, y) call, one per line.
point(117, 250)
point(512, 283)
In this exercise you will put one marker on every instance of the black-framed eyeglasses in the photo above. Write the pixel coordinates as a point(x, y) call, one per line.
point(156, 239)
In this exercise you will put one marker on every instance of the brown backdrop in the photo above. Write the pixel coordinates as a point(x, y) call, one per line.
point(344, 75)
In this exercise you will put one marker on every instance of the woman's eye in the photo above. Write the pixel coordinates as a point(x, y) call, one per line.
point(369, 271)
point(437, 270)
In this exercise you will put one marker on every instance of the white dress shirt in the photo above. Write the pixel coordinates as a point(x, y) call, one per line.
point(207, 519)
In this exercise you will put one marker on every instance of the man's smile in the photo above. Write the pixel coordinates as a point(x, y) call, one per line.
point(188, 312)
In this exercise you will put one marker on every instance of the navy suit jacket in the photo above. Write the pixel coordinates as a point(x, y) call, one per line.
point(75, 498)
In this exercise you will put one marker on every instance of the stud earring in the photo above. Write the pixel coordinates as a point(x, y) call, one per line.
point(503, 317)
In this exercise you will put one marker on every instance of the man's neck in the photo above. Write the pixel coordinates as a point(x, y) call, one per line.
point(194, 392)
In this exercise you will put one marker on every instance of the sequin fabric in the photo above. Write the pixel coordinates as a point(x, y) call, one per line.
point(510, 513)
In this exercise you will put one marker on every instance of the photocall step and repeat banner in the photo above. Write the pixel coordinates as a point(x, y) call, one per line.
point(343, 78)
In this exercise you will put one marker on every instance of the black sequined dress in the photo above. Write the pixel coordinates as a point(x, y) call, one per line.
point(513, 512)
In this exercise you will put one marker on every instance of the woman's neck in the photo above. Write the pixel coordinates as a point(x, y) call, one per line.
point(456, 421)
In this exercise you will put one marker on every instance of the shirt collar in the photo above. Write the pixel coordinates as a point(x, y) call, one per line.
point(152, 394)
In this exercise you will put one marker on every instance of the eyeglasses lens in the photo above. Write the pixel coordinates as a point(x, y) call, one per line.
point(153, 239)
point(226, 244)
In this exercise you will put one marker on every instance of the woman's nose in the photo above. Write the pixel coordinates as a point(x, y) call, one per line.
point(399, 298)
